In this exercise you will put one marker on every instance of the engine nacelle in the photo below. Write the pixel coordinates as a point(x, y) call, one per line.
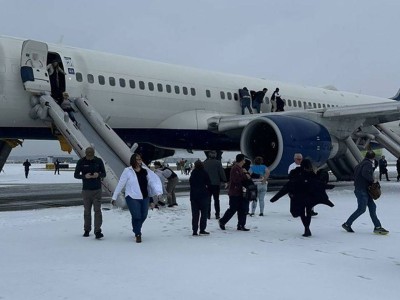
point(277, 138)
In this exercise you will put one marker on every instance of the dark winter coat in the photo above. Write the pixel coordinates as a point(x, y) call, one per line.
point(85, 166)
point(363, 175)
point(237, 177)
point(199, 185)
point(382, 165)
point(305, 191)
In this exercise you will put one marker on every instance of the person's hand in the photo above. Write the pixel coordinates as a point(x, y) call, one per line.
point(95, 175)
point(152, 205)
point(113, 202)
point(226, 185)
point(88, 176)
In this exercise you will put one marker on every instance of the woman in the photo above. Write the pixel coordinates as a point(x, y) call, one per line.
point(306, 191)
point(140, 184)
point(199, 197)
point(259, 173)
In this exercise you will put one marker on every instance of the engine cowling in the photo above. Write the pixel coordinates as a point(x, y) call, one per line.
point(277, 138)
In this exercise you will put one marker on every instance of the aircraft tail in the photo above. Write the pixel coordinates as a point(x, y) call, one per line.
point(397, 96)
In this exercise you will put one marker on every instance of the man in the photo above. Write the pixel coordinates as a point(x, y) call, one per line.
point(363, 178)
point(172, 181)
point(26, 165)
point(57, 167)
point(298, 157)
point(383, 168)
point(259, 99)
point(214, 169)
point(91, 170)
point(237, 203)
point(245, 99)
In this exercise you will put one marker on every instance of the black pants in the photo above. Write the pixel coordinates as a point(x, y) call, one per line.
point(383, 173)
point(199, 211)
point(214, 193)
point(306, 217)
point(236, 204)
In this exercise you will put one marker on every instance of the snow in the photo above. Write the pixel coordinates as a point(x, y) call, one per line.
point(44, 256)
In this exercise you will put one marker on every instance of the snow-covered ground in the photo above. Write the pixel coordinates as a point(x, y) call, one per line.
point(44, 256)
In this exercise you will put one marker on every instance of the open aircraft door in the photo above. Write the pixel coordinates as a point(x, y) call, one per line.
point(33, 67)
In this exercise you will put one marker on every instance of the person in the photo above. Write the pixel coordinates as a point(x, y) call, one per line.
point(90, 169)
point(159, 172)
point(273, 100)
point(383, 168)
point(141, 184)
point(214, 169)
point(182, 166)
point(187, 167)
point(305, 191)
point(363, 178)
point(199, 197)
point(245, 99)
point(398, 168)
point(67, 107)
point(280, 104)
point(298, 158)
point(56, 81)
point(259, 173)
point(259, 99)
point(237, 203)
point(57, 167)
point(26, 165)
point(172, 181)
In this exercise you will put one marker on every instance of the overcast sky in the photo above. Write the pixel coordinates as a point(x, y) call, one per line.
point(350, 44)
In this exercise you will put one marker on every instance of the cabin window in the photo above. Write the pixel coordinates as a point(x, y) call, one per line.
point(177, 90)
point(323, 105)
point(132, 83)
point(79, 77)
point(328, 105)
point(305, 105)
point(208, 93)
point(222, 95)
point(168, 88)
point(151, 86)
point(299, 103)
point(141, 85)
point(90, 78)
point(294, 103)
point(111, 80)
point(229, 95)
point(193, 91)
point(102, 80)
point(122, 82)
point(315, 105)
point(185, 90)
point(319, 105)
point(159, 87)
point(235, 96)
point(289, 102)
point(309, 105)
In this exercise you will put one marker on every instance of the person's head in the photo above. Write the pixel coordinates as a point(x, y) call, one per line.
point(370, 154)
point(258, 160)
point(240, 159)
point(198, 165)
point(89, 152)
point(245, 88)
point(65, 95)
point(157, 164)
point(383, 156)
point(265, 90)
point(212, 154)
point(136, 160)
point(277, 90)
point(307, 165)
point(298, 158)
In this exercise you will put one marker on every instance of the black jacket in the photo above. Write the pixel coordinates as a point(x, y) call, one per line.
point(305, 191)
point(199, 185)
point(85, 166)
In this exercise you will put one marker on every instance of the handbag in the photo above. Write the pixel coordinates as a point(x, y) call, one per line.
point(374, 190)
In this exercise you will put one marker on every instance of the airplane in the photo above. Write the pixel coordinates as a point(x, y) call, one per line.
point(163, 107)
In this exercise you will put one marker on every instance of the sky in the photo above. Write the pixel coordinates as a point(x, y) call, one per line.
point(349, 44)
point(44, 256)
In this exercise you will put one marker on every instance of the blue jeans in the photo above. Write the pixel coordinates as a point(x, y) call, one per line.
point(139, 209)
point(364, 200)
point(245, 102)
point(261, 191)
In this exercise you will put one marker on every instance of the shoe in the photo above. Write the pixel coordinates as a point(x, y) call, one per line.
point(138, 238)
point(204, 232)
point(261, 214)
point(307, 233)
point(170, 205)
point(251, 214)
point(242, 228)
point(161, 203)
point(86, 233)
point(313, 213)
point(347, 227)
point(194, 233)
point(217, 217)
point(222, 226)
point(175, 204)
point(99, 235)
point(380, 230)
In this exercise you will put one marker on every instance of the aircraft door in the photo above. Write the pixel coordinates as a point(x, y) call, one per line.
point(33, 67)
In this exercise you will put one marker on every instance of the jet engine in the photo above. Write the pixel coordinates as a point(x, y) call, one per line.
point(277, 138)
